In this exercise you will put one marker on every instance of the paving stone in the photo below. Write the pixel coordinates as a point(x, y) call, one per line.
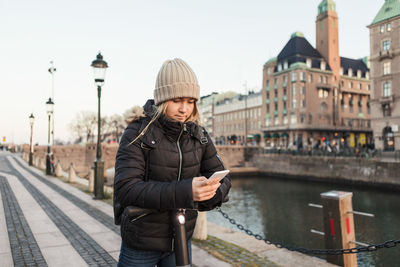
point(78, 238)
point(21, 240)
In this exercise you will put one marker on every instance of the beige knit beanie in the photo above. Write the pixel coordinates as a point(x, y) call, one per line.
point(175, 79)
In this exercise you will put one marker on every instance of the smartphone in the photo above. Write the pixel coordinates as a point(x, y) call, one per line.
point(218, 176)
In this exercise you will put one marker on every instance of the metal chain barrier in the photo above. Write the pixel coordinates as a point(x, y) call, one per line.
point(370, 248)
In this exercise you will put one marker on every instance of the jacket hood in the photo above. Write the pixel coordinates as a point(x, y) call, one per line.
point(137, 112)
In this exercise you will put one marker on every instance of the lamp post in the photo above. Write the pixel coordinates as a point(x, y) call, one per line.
point(99, 70)
point(49, 108)
point(31, 121)
point(52, 70)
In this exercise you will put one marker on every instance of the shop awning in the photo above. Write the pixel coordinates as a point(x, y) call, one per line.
point(267, 135)
point(275, 135)
point(257, 136)
point(284, 135)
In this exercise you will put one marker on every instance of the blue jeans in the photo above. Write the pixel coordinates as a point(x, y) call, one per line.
point(145, 258)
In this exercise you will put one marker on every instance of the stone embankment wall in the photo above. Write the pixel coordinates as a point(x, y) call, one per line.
point(82, 157)
point(349, 170)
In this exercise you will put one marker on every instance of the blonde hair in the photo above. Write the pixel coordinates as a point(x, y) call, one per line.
point(160, 110)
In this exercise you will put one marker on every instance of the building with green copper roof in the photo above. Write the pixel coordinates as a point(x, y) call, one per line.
point(326, 5)
point(389, 10)
point(312, 94)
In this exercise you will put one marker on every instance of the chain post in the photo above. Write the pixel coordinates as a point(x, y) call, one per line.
point(339, 226)
point(370, 248)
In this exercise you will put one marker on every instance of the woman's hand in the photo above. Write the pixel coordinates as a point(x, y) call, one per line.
point(203, 189)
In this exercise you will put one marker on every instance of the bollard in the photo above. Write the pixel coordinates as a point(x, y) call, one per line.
point(91, 180)
point(58, 169)
point(71, 174)
point(42, 164)
point(180, 240)
point(200, 230)
point(36, 162)
point(339, 226)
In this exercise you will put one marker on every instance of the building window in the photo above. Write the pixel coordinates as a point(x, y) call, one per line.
point(285, 120)
point(387, 89)
point(293, 119)
point(276, 120)
point(386, 45)
point(268, 122)
point(386, 110)
point(302, 118)
point(267, 95)
point(359, 86)
point(276, 106)
point(285, 65)
point(267, 108)
point(310, 79)
point(323, 93)
point(302, 76)
point(351, 103)
point(294, 76)
point(382, 28)
point(309, 118)
point(350, 122)
point(386, 68)
point(284, 105)
point(294, 101)
point(320, 79)
point(389, 27)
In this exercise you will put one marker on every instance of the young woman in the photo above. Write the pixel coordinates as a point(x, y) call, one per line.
point(161, 166)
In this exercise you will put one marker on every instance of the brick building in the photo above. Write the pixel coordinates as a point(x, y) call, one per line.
point(230, 119)
point(385, 76)
point(311, 95)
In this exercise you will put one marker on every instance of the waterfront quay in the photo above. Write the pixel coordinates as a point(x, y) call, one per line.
point(47, 222)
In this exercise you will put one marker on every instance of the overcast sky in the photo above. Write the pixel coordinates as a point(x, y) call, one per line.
point(226, 42)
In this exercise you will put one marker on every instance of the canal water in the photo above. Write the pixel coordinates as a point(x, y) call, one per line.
point(278, 209)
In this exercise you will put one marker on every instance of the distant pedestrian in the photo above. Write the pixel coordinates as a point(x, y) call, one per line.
point(161, 167)
point(52, 167)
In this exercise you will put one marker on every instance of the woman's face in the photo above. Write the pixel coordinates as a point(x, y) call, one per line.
point(180, 109)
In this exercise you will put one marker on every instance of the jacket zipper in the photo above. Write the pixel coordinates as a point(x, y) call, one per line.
point(138, 217)
point(180, 152)
point(180, 166)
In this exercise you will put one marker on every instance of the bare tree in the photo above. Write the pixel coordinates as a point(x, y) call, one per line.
point(84, 125)
point(113, 125)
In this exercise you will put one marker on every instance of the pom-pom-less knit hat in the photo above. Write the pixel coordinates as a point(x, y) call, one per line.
point(175, 79)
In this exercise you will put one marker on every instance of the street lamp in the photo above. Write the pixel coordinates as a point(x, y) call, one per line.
point(99, 71)
point(52, 70)
point(31, 121)
point(49, 108)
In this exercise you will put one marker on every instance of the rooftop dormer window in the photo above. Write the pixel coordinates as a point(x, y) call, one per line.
point(359, 74)
point(309, 62)
point(350, 72)
point(285, 65)
point(323, 65)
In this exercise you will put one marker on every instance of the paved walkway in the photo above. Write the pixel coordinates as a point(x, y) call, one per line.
point(46, 222)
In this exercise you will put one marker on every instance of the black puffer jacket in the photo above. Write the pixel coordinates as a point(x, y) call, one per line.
point(177, 152)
